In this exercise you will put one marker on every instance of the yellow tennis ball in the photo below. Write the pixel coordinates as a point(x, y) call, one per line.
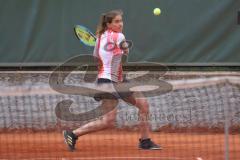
point(157, 11)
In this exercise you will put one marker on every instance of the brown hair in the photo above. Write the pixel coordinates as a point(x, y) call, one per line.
point(106, 18)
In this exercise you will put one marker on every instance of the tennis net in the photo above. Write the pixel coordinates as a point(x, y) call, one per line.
point(198, 104)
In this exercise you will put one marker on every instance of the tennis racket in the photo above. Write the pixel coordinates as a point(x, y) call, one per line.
point(85, 35)
point(89, 39)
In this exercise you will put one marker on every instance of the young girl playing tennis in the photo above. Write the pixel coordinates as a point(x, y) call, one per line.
point(109, 52)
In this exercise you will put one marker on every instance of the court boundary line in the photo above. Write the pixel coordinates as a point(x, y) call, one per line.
point(100, 158)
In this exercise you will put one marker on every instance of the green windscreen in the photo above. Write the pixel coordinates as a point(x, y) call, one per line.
point(186, 31)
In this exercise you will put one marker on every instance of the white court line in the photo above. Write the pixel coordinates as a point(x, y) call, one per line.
point(96, 158)
point(226, 73)
point(177, 84)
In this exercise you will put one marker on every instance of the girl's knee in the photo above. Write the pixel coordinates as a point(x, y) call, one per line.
point(110, 117)
point(143, 106)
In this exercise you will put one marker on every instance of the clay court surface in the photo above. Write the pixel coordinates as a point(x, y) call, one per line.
point(115, 144)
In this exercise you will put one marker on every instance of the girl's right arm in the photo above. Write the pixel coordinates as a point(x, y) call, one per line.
point(122, 41)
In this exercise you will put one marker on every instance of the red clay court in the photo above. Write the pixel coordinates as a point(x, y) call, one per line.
point(118, 144)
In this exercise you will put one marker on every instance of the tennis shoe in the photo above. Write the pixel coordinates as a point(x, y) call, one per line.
point(70, 139)
point(148, 144)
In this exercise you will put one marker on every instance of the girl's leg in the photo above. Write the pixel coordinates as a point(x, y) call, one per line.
point(138, 100)
point(143, 106)
point(106, 121)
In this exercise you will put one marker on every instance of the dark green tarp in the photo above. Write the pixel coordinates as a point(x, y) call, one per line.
point(187, 31)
